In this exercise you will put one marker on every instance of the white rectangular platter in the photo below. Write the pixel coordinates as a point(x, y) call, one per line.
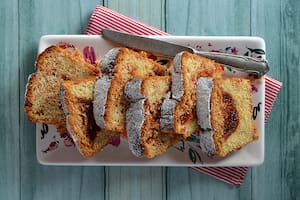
point(53, 148)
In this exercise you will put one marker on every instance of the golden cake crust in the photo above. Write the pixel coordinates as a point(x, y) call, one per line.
point(154, 141)
point(127, 63)
point(54, 65)
point(78, 104)
point(192, 67)
point(231, 114)
point(143, 116)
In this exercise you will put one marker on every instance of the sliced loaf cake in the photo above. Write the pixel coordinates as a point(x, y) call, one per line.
point(118, 67)
point(54, 65)
point(224, 111)
point(186, 69)
point(143, 116)
point(77, 97)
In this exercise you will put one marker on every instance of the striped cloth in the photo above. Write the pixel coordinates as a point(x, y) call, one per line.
point(105, 18)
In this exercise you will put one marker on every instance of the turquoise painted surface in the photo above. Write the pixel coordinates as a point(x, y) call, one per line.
point(23, 22)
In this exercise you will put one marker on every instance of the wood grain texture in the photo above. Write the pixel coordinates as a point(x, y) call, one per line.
point(213, 18)
point(23, 22)
point(9, 114)
point(205, 18)
point(137, 182)
point(290, 120)
point(265, 16)
point(149, 12)
point(37, 181)
point(185, 183)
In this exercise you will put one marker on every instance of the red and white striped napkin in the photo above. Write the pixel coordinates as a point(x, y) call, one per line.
point(105, 18)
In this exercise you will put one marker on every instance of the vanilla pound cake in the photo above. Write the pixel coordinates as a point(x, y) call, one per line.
point(181, 105)
point(77, 97)
point(118, 67)
point(143, 116)
point(224, 111)
point(55, 64)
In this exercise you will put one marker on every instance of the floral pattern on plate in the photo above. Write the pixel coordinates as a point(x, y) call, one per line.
point(184, 152)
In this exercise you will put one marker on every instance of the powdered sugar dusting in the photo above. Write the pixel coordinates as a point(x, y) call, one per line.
point(135, 116)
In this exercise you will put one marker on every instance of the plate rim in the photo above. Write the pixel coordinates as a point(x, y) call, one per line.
point(259, 161)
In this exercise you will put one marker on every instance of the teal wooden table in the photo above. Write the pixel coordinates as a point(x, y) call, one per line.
point(23, 22)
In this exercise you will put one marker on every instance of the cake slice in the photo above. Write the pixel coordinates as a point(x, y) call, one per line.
point(143, 116)
point(224, 111)
point(118, 67)
point(181, 104)
point(77, 97)
point(55, 64)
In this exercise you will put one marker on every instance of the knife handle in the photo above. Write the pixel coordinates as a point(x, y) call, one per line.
point(241, 63)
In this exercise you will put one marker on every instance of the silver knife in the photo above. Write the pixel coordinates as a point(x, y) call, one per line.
point(241, 63)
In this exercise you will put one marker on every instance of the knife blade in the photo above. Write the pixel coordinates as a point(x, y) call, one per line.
point(242, 63)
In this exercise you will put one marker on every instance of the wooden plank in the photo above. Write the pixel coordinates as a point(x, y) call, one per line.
point(37, 181)
point(185, 183)
point(245, 191)
point(290, 154)
point(149, 12)
point(9, 87)
point(86, 10)
point(205, 18)
point(49, 182)
point(137, 182)
point(265, 16)
point(219, 17)
point(279, 177)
